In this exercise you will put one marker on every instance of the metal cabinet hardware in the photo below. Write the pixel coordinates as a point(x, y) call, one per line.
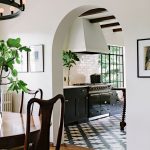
point(66, 100)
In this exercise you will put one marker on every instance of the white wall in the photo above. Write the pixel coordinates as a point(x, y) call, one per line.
point(80, 73)
point(38, 25)
point(113, 38)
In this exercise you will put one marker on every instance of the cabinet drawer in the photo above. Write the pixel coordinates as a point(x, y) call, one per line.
point(105, 98)
point(96, 111)
point(105, 107)
point(81, 91)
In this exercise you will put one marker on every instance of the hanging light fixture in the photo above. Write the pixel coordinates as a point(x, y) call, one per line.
point(11, 8)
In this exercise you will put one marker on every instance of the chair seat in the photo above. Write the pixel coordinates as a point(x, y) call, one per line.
point(70, 147)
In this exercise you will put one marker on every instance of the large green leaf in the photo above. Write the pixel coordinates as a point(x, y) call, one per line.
point(14, 73)
point(24, 48)
point(1, 60)
point(22, 85)
point(14, 43)
point(18, 61)
point(10, 65)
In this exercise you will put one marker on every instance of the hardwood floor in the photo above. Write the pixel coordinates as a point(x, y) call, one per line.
point(63, 147)
point(70, 147)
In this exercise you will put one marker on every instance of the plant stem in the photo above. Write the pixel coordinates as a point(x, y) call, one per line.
point(1, 72)
point(69, 76)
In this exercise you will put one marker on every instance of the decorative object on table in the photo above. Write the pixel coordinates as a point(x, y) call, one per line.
point(143, 58)
point(9, 57)
point(11, 9)
point(36, 58)
point(69, 59)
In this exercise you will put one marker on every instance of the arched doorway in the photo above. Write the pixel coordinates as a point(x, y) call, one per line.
point(58, 41)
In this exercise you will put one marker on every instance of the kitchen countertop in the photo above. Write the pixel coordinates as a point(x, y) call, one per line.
point(86, 85)
point(75, 86)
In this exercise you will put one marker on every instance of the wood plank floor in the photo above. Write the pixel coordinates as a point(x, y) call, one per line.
point(63, 147)
point(70, 147)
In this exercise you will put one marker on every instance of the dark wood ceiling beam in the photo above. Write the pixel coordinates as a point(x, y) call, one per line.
point(110, 25)
point(93, 11)
point(117, 30)
point(96, 20)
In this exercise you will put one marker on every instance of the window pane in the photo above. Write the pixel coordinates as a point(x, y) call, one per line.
point(118, 50)
point(112, 69)
point(121, 50)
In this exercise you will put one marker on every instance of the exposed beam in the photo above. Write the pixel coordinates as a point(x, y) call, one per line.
point(110, 25)
point(93, 11)
point(117, 30)
point(95, 20)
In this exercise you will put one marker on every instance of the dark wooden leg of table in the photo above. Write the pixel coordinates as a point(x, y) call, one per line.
point(123, 123)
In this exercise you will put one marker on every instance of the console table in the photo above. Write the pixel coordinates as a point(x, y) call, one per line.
point(122, 123)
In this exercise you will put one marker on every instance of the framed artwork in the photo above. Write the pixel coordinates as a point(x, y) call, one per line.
point(36, 58)
point(143, 58)
point(23, 66)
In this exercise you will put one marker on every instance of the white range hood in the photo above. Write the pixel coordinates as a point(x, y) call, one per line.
point(86, 37)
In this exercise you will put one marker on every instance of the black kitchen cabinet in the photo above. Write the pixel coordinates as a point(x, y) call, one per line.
point(116, 105)
point(70, 106)
point(94, 105)
point(99, 104)
point(105, 103)
point(76, 105)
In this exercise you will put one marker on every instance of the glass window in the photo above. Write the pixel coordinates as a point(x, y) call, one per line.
point(112, 66)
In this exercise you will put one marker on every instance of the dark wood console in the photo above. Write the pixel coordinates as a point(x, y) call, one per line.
point(122, 123)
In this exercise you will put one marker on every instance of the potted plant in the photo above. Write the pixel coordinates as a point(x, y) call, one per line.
point(9, 56)
point(69, 59)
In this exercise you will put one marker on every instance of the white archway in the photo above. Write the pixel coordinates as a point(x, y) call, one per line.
point(57, 67)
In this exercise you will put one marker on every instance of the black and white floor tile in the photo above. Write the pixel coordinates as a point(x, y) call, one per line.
point(101, 134)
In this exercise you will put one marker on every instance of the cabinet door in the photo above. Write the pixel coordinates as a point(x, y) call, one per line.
point(82, 104)
point(116, 105)
point(94, 105)
point(70, 106)
point(105, 103)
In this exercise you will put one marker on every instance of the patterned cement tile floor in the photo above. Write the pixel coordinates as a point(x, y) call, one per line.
point(101, 134)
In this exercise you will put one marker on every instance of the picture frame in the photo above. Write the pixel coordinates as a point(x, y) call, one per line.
point(143, 58)
point(36, 58)
point(23, 66)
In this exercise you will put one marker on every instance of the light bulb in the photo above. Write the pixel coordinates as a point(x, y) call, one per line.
point(1, 10)
point(12, 8)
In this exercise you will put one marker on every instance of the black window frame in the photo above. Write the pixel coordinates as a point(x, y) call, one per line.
point(112, 66)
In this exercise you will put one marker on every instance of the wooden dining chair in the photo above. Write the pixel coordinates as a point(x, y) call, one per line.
point(42, 141)
point(32, 93)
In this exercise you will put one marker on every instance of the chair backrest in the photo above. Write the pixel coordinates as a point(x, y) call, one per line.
point(42, 140)
point(32, 93)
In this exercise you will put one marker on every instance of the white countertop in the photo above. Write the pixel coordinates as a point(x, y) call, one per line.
point(80, 86)
point(75, 86)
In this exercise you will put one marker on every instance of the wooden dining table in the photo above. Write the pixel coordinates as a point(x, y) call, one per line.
point(13, 129)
